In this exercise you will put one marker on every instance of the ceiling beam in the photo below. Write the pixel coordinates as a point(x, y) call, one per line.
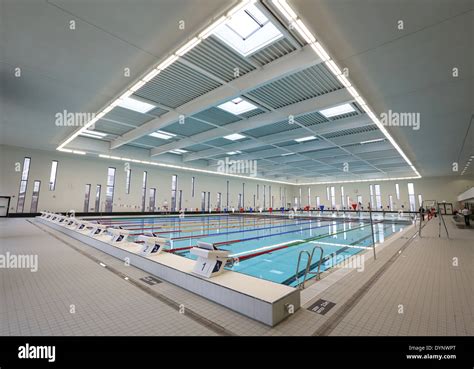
point(300, 108)
point(286, 65)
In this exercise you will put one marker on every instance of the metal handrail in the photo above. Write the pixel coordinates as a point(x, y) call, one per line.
point(298, 267)
point(308, 265)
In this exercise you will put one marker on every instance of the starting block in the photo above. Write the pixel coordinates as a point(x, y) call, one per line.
point(118, 235)
point(211, 260)
point(152, 245)
point(71, 223)
point(97, 229)
point(83, 226)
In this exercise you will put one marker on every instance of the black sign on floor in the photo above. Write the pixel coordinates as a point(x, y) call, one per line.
point(150, 280)
point(321, 306)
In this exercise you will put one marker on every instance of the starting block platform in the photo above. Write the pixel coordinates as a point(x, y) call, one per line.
point(259, 299)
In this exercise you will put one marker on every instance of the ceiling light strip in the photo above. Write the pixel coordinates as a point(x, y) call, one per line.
point(162, 66)
point(296, 23)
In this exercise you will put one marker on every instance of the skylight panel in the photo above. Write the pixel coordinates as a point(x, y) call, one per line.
point(162, 134)
point(237, 106)
point(234, 152)
point(234, 137)
point(337, 110)
point(178, 151)
point(304, 139)
point(248, 30)
point(136, 105)
point(93, 134)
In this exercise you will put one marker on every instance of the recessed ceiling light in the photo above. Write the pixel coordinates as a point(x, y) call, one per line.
point(288, 153)
point(337, 110)
point(237, 106)
point(234, 152)
point(136, 105)
point(162, 134)
point(93, 134)
point(178, 151)
point(372, 141)
point(248, 30)
point(234, 137)
point(303, 139)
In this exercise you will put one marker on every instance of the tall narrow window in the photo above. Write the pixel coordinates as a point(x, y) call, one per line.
point(281, 199)
point(309, 196)
point(343, 200)
point(208, 201)
point(52, 176)
point(180, 200)
point(98, 189)
point(333, 196)
point(23, 185)
point(318, 201)
point(378, 197)
point(35, 196)
point(390, 202)
point(193, 181)
point(348, 202)
point(219, 201)
point(359, 200)
point(152, 202)
point(203, 201)
point(254, 200)
point(109, 193)
point(87, 196)
point(420, 199)
point(243, 195)
point(258, 190)
point(397, 191)
point(128, 178)
point(145, 175)
point(174, 187)
point(298, 205)
point(227, 196)
point(372, 203)
point(411, 196)
point(270, 201)
point(239, 201)
point(327, 193)
point(264, 194)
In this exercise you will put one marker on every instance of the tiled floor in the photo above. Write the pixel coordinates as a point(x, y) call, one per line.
point(435, 295)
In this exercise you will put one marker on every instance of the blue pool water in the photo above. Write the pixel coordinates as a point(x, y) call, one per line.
point(267, 247)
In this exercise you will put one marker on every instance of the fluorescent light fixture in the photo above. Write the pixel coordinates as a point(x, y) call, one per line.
point(178, 151)
point(137, 86)
point(136, 105)
point(237, 106)
point(234, 152)
point(353, 91)
point(288, 153)
point(64, 150)
point(104, 156)
point(342, 78)
point(372, 141)
point(333, 67)
point(162, 134)
point(78, 152)
point(285, 9)
point(307, 138)
point(209, 30)
point(360, 100)
point(93, 134)
point(247, 30)
point(234, 137)
point(320, 51)
point(151, 75)
point(304, 31)
point(188, 46)
point(167, 62)
point(337, 110)
point(127, 94)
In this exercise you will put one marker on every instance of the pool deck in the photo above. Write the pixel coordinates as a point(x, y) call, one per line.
point(413, 288)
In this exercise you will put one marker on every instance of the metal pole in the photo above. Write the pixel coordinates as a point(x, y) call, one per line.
point(372, 230)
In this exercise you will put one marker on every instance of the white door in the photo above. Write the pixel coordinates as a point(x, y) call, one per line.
point(4, 206)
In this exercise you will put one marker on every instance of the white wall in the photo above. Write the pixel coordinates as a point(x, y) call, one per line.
point(75, 171)
point(434, 188)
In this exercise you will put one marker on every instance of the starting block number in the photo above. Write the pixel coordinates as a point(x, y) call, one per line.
point(206, 267)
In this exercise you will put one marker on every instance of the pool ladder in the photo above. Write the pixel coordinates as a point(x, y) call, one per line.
point(308, 265)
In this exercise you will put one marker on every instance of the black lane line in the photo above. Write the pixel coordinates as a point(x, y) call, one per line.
point(329, 325)
point(216, 328)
